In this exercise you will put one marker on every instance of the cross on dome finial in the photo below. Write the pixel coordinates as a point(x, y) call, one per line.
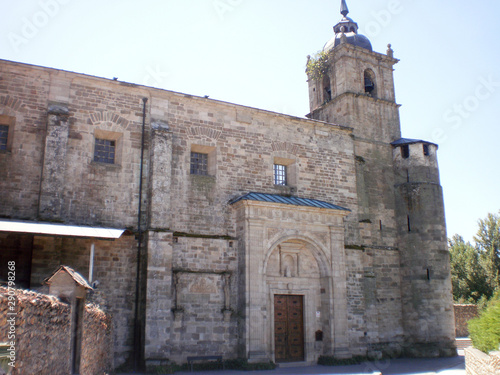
point(343, 9)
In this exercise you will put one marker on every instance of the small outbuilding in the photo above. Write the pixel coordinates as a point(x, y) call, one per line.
point(71, 287)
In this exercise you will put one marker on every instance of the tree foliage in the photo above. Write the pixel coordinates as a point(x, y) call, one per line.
point(475, 270)
point(468, 277)
point(488, 244)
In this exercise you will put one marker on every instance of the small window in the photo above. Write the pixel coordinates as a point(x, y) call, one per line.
point(405, 151)
point(199, 163)
point(426, 150)
point(7, 124)
point(4, 135)
point(105, 151)
point(280, 174)
point(319, 335)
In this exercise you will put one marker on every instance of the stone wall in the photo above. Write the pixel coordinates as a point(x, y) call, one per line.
point(479, 363)
point(195, 237)
point(43, 335)
point(114, 269)
point(97, 339)
point(464, 313)
point(376, 323)
point(205, 283)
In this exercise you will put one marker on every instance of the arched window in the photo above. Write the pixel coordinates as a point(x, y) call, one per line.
point(369, 83)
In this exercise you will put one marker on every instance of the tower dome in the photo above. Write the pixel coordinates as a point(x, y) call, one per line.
point(349, 28)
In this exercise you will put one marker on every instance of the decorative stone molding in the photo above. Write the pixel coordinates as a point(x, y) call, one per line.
point(194, 131)
point(100, 117)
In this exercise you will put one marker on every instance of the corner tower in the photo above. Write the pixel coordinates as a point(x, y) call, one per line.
point(426, 293)
point(398, 221)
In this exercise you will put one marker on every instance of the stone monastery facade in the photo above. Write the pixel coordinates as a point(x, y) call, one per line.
point(234, 230)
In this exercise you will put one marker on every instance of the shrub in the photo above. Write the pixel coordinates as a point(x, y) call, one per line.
point(485, 330)
point(171, 368)
point(242, 364)
point(317, 66)
point(328, 360)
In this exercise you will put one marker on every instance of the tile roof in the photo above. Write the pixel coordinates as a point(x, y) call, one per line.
point(409, 141)
point(296, 201)
point(74, 275)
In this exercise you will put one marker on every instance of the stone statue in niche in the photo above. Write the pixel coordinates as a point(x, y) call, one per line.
point(288, 266)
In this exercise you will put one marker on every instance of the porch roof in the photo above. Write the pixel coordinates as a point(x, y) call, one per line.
point(296, 201)
point(51, 229)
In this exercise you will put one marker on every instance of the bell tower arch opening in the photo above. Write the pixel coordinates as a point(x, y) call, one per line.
point(370, 86)
point(327, 89)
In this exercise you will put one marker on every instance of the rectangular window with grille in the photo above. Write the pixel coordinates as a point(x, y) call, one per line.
point(104, 151)
point(199, 163)
point(4, 135)
point(280, 174)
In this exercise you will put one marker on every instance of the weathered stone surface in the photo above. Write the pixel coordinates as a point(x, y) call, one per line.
point(479, 363)
point(371, 284)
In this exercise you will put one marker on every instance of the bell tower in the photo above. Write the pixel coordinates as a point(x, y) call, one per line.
point(349, 84)
point(398, 219)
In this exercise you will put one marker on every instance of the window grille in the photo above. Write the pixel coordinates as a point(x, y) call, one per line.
point(4, 134)
point(199, 163)
point(280, 174)
point(104, 151)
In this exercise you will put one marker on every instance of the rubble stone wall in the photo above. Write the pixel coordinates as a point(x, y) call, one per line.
point(464, 313)
point(479, 363)
point(43, 335)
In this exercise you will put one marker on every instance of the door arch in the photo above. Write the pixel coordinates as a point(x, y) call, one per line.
point(297, 274)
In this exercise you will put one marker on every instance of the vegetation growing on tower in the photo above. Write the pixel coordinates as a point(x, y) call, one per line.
point(318, 65)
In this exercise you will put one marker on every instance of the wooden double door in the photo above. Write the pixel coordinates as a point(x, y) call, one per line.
point(288, 328)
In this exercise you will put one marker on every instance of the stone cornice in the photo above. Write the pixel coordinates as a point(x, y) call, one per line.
point(345, 50)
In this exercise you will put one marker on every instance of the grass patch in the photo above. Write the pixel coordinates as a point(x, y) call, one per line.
point(229, 364)
point(166, 369)
point(242, 364)
point(328, 360)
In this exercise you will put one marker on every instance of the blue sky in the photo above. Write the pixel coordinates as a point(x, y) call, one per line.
point(253, 52)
